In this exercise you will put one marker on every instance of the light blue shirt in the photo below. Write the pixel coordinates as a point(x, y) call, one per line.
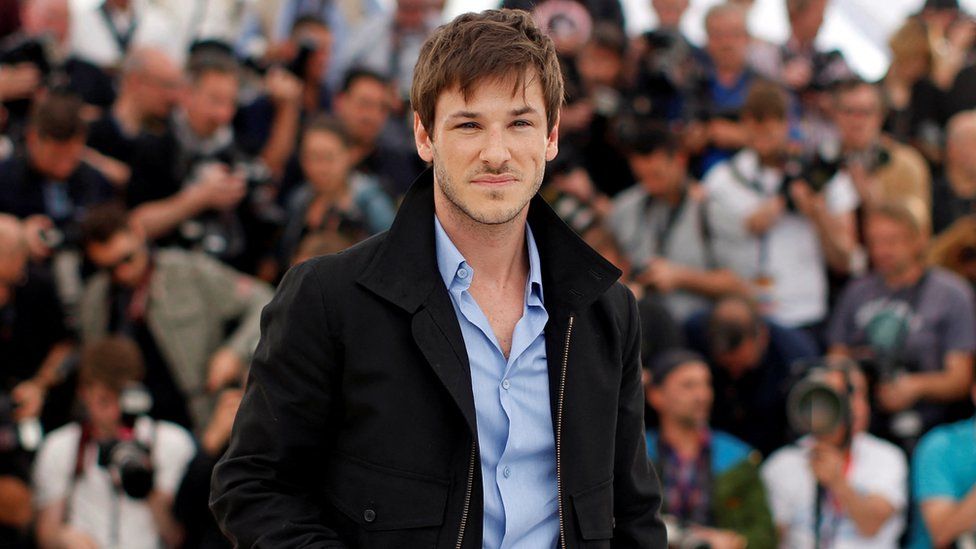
point(511, 399)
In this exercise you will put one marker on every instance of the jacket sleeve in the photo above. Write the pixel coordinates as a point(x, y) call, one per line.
point(235, 296)
point(637, 492)
point(263, 488)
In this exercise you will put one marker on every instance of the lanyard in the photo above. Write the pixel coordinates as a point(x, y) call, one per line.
point(825, 531)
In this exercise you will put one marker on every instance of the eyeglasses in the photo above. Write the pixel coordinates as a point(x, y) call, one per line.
point(127, 259)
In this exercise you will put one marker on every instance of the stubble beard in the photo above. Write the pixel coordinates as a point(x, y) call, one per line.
point(489, 216)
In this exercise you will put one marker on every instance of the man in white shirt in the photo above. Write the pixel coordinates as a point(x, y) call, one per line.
point(863, 481)
point(83, 503)
point(775, 229)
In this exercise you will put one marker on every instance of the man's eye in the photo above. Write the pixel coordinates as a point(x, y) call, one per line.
point(522, 123)
point(467, 126)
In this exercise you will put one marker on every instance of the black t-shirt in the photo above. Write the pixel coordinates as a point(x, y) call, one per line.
point(106, 137)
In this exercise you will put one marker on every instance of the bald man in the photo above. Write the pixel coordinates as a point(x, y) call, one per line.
point(33, 338)
point(954, 194)
point(149, 89)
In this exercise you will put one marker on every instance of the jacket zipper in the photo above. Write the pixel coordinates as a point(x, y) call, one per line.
point(467, 497)
point(559, 432)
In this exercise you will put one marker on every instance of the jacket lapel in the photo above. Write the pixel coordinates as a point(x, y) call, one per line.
point(404, 272)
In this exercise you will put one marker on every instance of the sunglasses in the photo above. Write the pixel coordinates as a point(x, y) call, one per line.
point(124, 260)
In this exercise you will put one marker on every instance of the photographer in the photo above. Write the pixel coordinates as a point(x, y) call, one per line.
point(841, 488)
point(34, 341)
point(777, 229)
point(109, 481)
point(944, 485)
point(662, 226)
point(194, 187)
point(710, 478)
point(915, 324)
point(176, 305)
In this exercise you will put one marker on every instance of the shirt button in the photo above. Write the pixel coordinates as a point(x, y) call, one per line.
point(369, 515)
point(506, 384)
point(462, 273)
point(507, 472)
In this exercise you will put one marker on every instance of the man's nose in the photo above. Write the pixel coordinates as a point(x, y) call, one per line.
point(495, 152)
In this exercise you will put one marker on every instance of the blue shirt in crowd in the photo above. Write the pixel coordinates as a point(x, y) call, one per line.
point(511, 398)
point(944, 467)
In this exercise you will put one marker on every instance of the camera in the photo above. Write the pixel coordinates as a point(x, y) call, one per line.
point(128, 458)
point(816, 171)
point(814, 406)
point(680, 537)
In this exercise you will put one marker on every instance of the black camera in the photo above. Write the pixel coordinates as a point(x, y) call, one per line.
point(128, 458)
point(814, 406)
point(298, 66)
point(816, 171)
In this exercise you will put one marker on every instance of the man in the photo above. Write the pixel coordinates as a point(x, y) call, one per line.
point(662, 227)
point(773, 228)
point(503, 407)
point(49, 186)
point(149, 91)
point(363, 105)
point(751, 360)
point(189, 185)
point(880, 167)
point(724, 502)
point(34, 340)
point(176, 305)
point(80, 497)
point(915, 323)
point(954, 194)
point(712, 108)
point(944, 485)
point(861, 479)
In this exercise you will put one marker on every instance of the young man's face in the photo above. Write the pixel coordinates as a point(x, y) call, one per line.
point(769, 136)
point(55, 159)
point(124, 256)
point(893, 247)
point(364, 108)
point(685, 396)
point(661, 172)
point(211, 102)
point(489, 152)
point(325, 161)
point(102, 405)
point(859, 117)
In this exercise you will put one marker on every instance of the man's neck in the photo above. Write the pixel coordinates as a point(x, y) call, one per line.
point(728, 76)
point(962, 184)
point(906, 277)
point(496, 252)
point(683, 439)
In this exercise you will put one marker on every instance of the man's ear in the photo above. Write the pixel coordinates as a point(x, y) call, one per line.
point(422, 138)
point(552, 142)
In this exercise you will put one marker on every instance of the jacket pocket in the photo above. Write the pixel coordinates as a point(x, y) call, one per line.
point(594, 511)
point(382, 499)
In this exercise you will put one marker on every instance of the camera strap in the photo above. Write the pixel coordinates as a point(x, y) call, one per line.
point(122, 39)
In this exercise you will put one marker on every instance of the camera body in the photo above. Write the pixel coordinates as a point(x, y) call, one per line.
point(128, 457)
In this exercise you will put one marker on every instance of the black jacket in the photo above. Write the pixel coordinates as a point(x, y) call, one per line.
point(357, 427)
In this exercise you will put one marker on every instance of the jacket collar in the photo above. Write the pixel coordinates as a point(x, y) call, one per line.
point(404, 270)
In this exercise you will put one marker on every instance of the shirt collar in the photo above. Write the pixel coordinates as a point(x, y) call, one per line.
point(450, 261)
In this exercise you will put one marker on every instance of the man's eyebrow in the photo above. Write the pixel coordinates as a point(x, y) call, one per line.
point(515, 112)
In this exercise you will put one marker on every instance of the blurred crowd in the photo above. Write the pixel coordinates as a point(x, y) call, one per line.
point(802, 244)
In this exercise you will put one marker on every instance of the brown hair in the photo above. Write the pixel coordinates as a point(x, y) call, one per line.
point(58, 117)
point(324, 123)
point(114, 361)
point(765, 101)
point(102, 222)
point(493, 44)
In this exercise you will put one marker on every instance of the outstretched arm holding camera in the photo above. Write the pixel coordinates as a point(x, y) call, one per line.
point(947, 385)
point(837, 231)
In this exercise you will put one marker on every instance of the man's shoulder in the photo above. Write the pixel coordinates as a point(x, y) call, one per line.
point(950, 283)
point(880, 451)
point(943, 438)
